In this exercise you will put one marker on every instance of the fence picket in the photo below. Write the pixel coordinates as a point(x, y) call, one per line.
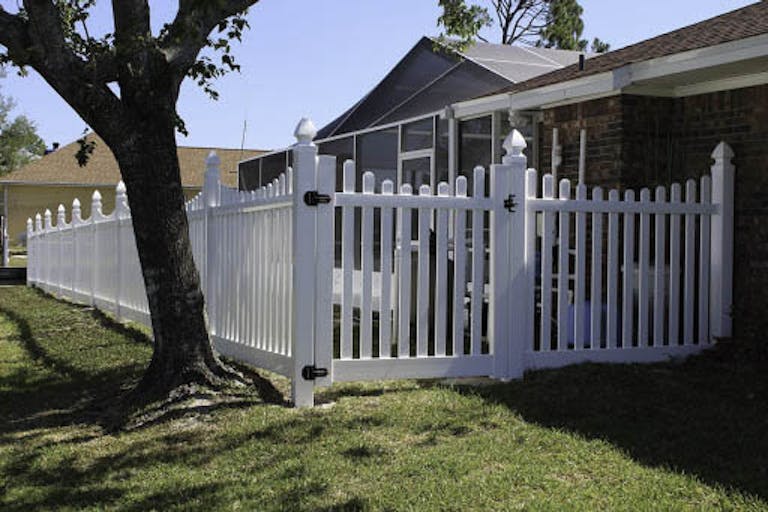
point(581, 271)
point(547, 242)
point(459, 269)
point(596, 292)
point(689, 268)
point(441, 272)
point(674, 269)
point(643, 311)
point(385, 268)
point(659, 270)
point(366, 259)
point(563, 268)
point(628, 285)
point(478, 260)
point(424, 286)
point(347, 263)
point(704, 261)
point(404, 284)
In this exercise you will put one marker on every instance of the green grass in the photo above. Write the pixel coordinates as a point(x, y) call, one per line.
point(662, 437)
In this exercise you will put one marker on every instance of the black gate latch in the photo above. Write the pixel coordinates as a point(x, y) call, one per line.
point(312, 372)
point(313, 198)
point(509, 203)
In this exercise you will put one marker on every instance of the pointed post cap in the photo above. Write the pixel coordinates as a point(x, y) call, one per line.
point(47, 213)
point(120, 188)
point(514, 144)
point(38, 218)
point(76, 204)
point(723, 151)
point(96, 196)
point(305, 132)
point(212, 160)
point(60, 210)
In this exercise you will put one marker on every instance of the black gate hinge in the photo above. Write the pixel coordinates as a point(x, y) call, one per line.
point(312, 372)
point(509, 203)
point(314, 198)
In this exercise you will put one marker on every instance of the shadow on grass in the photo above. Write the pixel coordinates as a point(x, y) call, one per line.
point(707, 416)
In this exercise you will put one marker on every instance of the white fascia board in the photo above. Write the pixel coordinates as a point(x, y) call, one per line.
point(735, 82)
point(710, 56)
point(486, 104)
point(594, 85)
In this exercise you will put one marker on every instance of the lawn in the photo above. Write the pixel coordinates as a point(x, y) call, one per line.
point(661, 437)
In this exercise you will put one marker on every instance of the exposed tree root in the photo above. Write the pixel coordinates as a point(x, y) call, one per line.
point(192, 394)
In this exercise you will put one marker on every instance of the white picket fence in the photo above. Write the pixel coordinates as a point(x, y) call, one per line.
point(457, 284)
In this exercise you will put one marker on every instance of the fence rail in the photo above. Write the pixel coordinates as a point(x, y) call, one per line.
point(461, 283)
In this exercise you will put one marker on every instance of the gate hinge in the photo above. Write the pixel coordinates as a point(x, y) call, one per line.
point(312, 372)
point(314, 198)
point(509, 203)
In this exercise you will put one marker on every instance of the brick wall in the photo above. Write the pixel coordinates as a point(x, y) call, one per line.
point(635, 141)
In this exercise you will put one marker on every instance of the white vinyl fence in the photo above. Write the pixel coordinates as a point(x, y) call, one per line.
point(446, 283)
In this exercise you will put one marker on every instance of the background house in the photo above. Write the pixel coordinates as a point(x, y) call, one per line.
point(58, 179)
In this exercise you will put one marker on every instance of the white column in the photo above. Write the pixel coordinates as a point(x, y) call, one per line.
point(304, 279)
point(721, 282)
point(508, 297)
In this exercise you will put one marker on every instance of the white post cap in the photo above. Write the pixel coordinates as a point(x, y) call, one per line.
point(305, 132)
point(514, 145)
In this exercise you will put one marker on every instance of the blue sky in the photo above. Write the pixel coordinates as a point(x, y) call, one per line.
point(317, 57)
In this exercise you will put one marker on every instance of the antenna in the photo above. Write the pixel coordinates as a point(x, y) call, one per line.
point(242, 140)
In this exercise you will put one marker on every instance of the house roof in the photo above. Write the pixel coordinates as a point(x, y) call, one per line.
point(748, 21)
point(61, 168)
point(427, 78)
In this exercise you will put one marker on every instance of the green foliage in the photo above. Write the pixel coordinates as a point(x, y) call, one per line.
point(85, 148)
point(547, 23)
point(461, 22)
point(599, 46)
point(19, 142)
point(564, 27)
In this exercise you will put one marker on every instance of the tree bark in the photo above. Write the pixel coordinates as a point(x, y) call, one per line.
point(182, 354)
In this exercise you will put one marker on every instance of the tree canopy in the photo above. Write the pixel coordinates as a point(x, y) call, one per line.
point(19, 142)
point(547, 23)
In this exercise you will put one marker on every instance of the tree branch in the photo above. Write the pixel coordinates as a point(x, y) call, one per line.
point(14, 36)
point(188, 33)
point(41, 44)
point(131, 18)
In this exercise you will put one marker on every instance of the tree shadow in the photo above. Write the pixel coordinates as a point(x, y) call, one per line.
point(706, 416)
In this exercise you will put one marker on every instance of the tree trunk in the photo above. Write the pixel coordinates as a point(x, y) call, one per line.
point(182, 349)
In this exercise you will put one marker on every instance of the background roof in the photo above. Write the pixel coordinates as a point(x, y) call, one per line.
point(430, 77)
point(748, 21)
point(60, 167)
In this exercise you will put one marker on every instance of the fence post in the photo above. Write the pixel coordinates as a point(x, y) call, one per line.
point(508, 299)
point(721, 226)
point(95, 212)
point(121, 213)
point(48, 226)
point(211, 199)
point(4, 234)
point(304, 279)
